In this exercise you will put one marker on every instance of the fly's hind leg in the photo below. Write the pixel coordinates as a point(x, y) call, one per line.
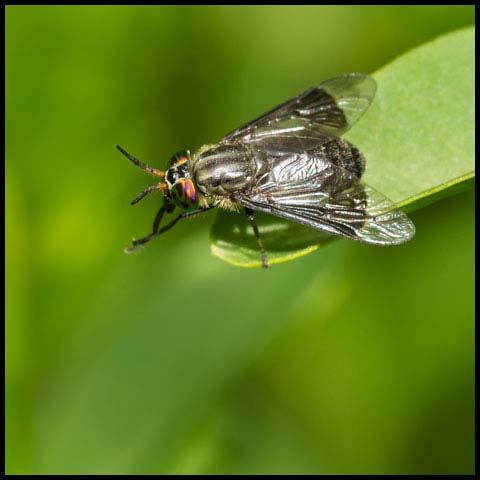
point(253, 223)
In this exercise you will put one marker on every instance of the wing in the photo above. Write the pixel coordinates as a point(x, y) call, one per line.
point(332, 107)
point(322, 195)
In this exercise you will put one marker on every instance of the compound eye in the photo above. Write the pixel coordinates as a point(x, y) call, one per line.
point(179, 158)
point(184, 194)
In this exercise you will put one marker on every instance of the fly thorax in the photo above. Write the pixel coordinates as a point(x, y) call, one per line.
point(224, 169)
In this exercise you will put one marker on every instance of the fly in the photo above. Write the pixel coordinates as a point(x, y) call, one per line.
point(290, 162)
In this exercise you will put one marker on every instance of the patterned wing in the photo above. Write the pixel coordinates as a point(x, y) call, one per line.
point(333, 107)
point(309, 189)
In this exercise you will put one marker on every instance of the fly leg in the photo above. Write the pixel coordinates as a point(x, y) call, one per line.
point(253, 223)
point(166, 207)
point(138, 244)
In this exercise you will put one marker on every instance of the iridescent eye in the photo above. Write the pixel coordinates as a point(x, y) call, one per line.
point(180, 157)
point(183, 194)
point(189, 192)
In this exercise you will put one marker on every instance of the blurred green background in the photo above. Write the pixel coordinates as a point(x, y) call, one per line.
point(354, 359)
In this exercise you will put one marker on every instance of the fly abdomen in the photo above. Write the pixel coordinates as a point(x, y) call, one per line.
point(345, 155)
point(224, 169)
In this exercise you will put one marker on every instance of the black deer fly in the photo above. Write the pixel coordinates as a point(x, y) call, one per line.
point(290, 162)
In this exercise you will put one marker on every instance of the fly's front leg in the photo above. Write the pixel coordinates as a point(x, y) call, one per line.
point(137, 244)
point(253, 223)
point(168, 226)
point(166, 208)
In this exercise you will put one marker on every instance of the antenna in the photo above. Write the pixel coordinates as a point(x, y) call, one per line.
point(138, 163)
point(150, 170)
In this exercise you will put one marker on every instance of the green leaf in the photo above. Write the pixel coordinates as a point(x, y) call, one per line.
point(134, 389)
point(418, 138)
